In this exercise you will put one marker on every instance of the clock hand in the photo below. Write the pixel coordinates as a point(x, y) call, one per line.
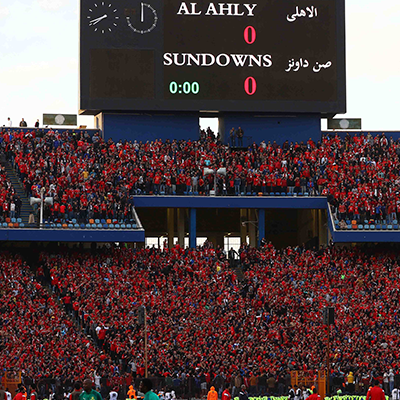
point(97, 20)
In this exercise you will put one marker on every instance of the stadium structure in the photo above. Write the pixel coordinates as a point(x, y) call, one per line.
point(264, 254)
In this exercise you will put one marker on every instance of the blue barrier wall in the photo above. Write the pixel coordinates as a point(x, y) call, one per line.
point(257, 128)
point(144, 127)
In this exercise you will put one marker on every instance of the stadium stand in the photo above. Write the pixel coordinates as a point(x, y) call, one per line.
point(36, 335)
point(264, 318)
point(92, 180)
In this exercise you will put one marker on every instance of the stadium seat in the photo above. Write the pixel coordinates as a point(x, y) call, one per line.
point(109, 221)
point(10, 225)
point(70, 226)
point(82, 226)
point(354, 227)
point(103, 221)
point(366, 227)
point(379, 227)
point(22, 225)
point(395, 222)
point(19, 220)
point(360, 227)
point(76, 226)
point(128, 226)
point(384, 227)
point(73, 221)
point(111, 226)
point(337, 227)
point(91, 221)
point(96, 221)
point(372, 227)
point(123, 226)
point(13, 220)
point(390, 227)
point(5, 225)
point(59, 225)
point(105, 226)
point(117, 226)
point(88, 226)
point(8, 220)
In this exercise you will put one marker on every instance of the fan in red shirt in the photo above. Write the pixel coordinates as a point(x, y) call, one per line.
point(226, 394)
point(315, 395)
point(376, 393)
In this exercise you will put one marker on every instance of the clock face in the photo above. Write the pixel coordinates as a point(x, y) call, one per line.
point(102, 17)
point(141, 19)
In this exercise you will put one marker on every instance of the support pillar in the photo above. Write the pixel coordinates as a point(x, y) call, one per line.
point(261, 225)
point(170, 227)
point(252, 227)
point(243, 226)
point(192, 227)
point(181, 227)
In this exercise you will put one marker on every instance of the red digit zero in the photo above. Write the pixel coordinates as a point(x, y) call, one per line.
point(250, 35)
point(250, 86)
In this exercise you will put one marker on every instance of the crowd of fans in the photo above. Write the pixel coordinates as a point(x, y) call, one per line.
point(206, 324)
point(92, 178)
point(36, 336)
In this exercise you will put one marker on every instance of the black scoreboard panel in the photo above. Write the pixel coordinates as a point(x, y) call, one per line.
point(166, 55)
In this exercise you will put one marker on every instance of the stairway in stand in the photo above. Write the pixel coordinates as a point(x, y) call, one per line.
point(26, 208)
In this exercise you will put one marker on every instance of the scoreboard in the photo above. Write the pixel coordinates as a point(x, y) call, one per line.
point(172, 55)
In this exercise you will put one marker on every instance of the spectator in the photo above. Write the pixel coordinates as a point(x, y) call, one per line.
point(23, 123)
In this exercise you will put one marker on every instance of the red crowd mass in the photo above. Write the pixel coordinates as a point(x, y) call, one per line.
point(35, 334)
point(91, 178)
point(206, 321)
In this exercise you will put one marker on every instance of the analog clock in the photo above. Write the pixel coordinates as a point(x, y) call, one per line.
point(102, 17)
point(142, 19)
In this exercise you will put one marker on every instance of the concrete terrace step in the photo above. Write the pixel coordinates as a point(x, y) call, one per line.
point(26, 208)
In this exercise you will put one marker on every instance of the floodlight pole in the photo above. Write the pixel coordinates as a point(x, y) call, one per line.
point(327, 359)
point(145, 343)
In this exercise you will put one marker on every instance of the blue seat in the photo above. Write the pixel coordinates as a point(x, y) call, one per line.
point(378, 226)
point(59, 225)
point(103, 221)
point(299, 194)
point(96, 221)
point(93, 226)
point(13, 220)
point(128, 226)
point(372, 227)
point(337, 227)
point(162, 193)
point(348, 222)
point(390, 227)
point(395, 227)
point(5, 224)
point(117, 226)
point(82, 226)
point(272, 194)
point(134, 226)
point(22, 225)
point(360, 226)
point(277, 194)
point(99, 225)
point(384, 227)
point(123, 226)
point(70, 225)
point(196, 193)
point(88, 226)
point(76, 226)
point(73, 220)
point(19, 220)
point(185, 193)
point(248, 194)
point(47, 226)
point(105, 226)
point(111, 226)
point(395, 222)
point(306, 194)
point(366, 227)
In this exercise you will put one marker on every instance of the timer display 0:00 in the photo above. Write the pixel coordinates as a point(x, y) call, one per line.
point(186, 88)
